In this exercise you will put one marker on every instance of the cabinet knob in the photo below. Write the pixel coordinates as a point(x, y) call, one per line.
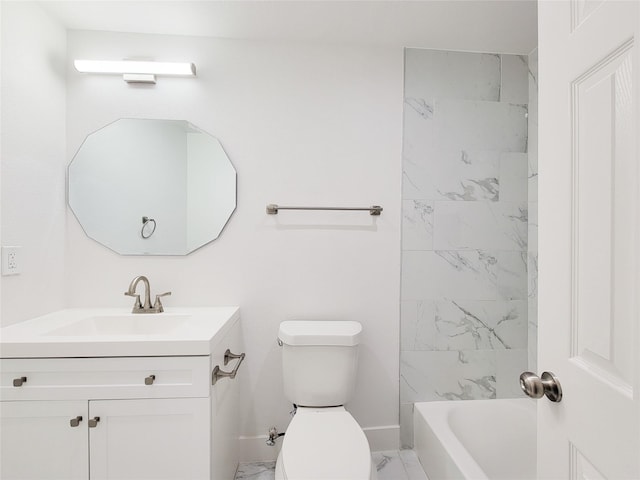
point(93, 422)
point(149, 380)
point(17, 382)
point(74, 422)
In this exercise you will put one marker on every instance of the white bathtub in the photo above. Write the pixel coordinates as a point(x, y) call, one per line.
point(476, 439)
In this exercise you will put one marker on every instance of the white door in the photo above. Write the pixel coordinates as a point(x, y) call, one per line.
point(151, 439)
point(44, 440)
point(589, 287)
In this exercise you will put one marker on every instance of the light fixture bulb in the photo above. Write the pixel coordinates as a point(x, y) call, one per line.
point(135, 67)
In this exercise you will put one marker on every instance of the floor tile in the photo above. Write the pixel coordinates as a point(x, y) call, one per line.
point(390, 465)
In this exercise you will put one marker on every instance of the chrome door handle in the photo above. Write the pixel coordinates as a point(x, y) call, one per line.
point(149, 380)
point(93, 422)
point(547, 384)
point(17, 382)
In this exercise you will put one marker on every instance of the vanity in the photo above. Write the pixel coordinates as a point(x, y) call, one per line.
point(107, 394)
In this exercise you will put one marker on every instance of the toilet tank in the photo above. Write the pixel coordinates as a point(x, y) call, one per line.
point(319, 361)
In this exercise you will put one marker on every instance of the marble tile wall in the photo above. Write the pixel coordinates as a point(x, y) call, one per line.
point(466, 228)
point(532, 174)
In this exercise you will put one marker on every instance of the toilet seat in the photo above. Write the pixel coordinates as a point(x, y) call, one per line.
point(324, 444)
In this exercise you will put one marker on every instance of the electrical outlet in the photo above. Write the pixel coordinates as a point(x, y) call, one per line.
point(11, 263)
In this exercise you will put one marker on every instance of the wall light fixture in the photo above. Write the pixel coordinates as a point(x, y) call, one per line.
point(136, 71)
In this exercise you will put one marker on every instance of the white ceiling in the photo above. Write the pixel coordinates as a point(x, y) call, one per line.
point(503, 26)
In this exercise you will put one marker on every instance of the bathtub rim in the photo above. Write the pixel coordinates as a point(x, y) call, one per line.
point(434, 417)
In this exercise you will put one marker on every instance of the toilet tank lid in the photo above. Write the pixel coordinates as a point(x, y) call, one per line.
point(318, 332)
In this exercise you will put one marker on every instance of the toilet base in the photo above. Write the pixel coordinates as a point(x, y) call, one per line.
point(324, 444)
point(280, 473)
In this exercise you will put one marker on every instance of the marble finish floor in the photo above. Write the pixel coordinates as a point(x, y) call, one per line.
point(391, 465)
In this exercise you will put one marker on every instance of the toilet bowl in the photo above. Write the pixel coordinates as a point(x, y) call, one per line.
point(323, 441)
point(324, 444)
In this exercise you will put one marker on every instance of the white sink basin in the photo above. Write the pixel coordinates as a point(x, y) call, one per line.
point(133, 324)
point(116, 332)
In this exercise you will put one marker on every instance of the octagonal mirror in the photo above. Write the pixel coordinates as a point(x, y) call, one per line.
point(152, 187)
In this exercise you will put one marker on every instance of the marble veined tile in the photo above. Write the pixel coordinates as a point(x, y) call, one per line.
point(412, 465)
point(512, 278)
point(456, 125)
point(469, 275)
point(532, 146)
point(480, 226)
point(464, 274)
point(425, 332)
point(532, 320)
point(509, 365)
point(406, 425)
point(417, 320)
point(515, 83)
point(480, 325)
point(389, 465)
point(532, 229)
point(256, 471)
point(447, 375)
point(457, 174)
point(474, 126)
point(532, 275)
point(436, 73)
point(408, 324)
point(417, 225)
point(514, 173)
point(417, 276)
point(421, 106)
point(532, 185)
point(532, 62)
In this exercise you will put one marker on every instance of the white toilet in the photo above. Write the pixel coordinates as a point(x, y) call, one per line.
point(323, 441)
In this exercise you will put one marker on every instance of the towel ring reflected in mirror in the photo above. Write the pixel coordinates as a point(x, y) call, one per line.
point(148, 227)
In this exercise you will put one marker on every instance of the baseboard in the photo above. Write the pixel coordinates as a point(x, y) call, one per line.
point(255, 449)
point(383, 438)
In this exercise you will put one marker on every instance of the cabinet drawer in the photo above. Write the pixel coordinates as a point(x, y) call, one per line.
point(104, 378)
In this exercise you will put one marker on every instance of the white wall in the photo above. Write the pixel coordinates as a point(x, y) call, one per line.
point(303, 124)
point(33, 159)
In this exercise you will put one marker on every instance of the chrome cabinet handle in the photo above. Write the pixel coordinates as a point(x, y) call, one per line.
point(17, 382)
point(149, 380)
point(93, 422)
point(547, 384)
point(74, 422)
point(217, 373)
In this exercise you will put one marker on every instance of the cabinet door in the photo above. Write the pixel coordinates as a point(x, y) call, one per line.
point(39, 441)
point(150, 439)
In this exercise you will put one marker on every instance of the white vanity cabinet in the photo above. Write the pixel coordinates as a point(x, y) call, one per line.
point(129, 417)
point(37, 441)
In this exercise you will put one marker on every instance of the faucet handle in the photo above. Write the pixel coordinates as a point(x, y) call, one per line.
point(157, 306)
point(137, 303)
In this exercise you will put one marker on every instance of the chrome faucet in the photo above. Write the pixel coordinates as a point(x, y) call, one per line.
point(138, 307)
